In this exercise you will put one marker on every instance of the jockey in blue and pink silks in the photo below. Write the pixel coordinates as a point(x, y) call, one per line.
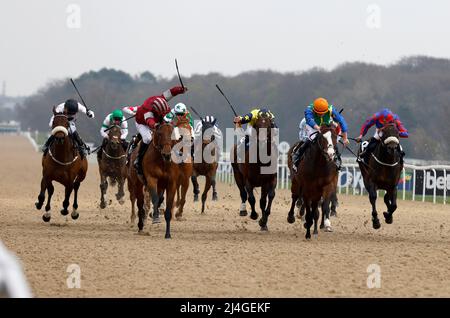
point(380, 119)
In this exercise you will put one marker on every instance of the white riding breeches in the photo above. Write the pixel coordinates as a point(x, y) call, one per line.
point(378, 134)
point(146, 133)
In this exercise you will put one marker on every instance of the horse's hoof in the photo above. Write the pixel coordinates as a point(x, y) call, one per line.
point(215, 197)
point(64, 212)
point(74, 215)
point(46, 217)
point(308, 236)
point(121, 202)
point(167, 236)
point(316, 236)
point(196, 198)
point(156, 220)
point(376, 224)
point(102, 205)
point(388, 218)
point(291, 219)
point(333, 213)
point(38, 205)
point(243, 213)
point(254, 216)
point(328, 229)
point(264, 228)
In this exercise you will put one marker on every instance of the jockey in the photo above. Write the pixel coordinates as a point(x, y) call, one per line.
point(380, 119)
point(71, 107)
point(209, 121)
point(180, 109)
point(317, 114)
point(148, 116)
point(250, 119)
point(116, 118)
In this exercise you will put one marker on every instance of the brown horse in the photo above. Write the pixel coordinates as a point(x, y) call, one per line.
point(185, 167)
point(315, 178)
point(249, 175)
point(62, 164)
point(160, 174)
point(207, 167)
point(329, 204)
point(383, 172)
point(112, 165)
point(133, 184)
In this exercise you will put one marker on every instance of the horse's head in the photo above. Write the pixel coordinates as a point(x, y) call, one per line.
point(182, 122)
point(264, 123)
point(114, 137)
point(60, 127)
point(327, 139)
point(390, 137)
point(163, 141)
point(207, 132)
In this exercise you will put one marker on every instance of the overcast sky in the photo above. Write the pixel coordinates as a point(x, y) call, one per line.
point(41, 41)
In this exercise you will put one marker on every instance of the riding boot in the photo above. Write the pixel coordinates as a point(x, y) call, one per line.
point(338, 159)
point(47, 144)
point(82, 147)
point(298, 154)
point(140, 157)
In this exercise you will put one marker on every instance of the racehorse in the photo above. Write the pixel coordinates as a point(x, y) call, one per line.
point(250, 175)
point(62, 164)
point(383, 171)
point(112, 165)
point(327, 210)
point(208, 167)
point(160, 174)
point(315, 178)
point(186, 167)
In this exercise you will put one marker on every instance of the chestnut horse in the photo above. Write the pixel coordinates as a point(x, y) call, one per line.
point(183, 128)
point(112, 165)
point(208, 166)
point(62, 164)
point(160, 174)
point(249, 175)
point(383, 172)
point(315, 178)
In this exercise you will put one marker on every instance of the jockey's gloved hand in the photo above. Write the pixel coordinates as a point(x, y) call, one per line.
point(359, 138)
point(90, 114)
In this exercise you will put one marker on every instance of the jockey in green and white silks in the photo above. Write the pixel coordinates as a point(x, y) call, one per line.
point(116, 118)
point(180, 109)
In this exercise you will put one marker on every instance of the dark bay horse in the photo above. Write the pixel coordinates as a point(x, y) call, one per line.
point(112, 165)
point(328, 204)
point(383, 172)
point(208, 166)
point(249, 175)
point(315, 178)
point(160, 174)
point(62, 164)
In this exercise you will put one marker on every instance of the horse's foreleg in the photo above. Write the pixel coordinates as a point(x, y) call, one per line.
point(309, 219)
point(103, 188)
point(41, 197)
point(68, 192)
point(373, 199)
point(262, 205)
point(334, 204)
point(74, 213)
point(120, 193)
point(213, 183)
point(171, 189)
point(266, 212)
point(315, 210)
point(205, 192)
point(390, 198)
point(252, 201)
point(182, 198)
point(294, 197)
point(195, 185)
point(326, 215)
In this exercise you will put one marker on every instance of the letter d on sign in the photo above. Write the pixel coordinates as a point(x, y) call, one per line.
point(374, 278)
point(74, 16)
point(74, 279)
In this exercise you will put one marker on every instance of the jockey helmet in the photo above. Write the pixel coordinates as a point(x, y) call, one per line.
point(320, 106)
point(180, 109)
point(117, 114)
point(71, 107)
point(161, 107)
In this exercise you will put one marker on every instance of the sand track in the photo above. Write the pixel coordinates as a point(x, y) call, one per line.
point(218, 254)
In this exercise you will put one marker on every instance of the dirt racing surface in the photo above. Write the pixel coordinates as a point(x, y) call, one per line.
point(219, 254)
